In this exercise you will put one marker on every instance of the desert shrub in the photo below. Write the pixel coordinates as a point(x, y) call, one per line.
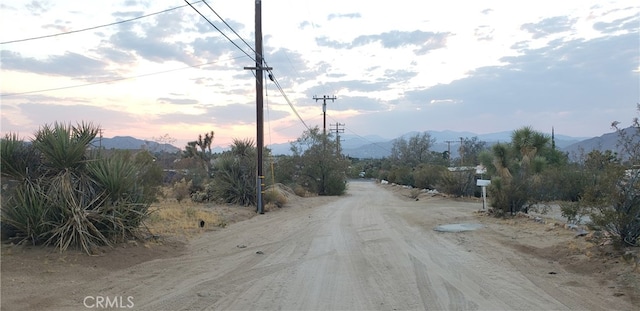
point(336, 183)
point(300, 191)
point(614, 201)
point(235, 177)
point(207, 193)
point(565, 183)
point(613, 189)
point(457, 183)
point(572, 211)
point(428, 176)
point(150, 176)
point(401, 175)
point(383, 175)
point(181, 190)
point(414, 193)
point(70, 197)
point(274, 196)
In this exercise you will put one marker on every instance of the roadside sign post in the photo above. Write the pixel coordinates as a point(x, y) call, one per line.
point(483, 183)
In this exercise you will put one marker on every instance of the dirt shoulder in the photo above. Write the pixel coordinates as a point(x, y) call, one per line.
point(546, 237)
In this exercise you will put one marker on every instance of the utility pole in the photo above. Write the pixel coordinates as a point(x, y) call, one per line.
point(449, 150)
point(461, 153)
point(100, 141)
point(259, 68)
point(338, 130)
point(324, 110)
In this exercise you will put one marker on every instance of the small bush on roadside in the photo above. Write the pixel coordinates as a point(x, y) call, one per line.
point(414, 193)
point(428, 176)
point(181, 190)
point(274, 196)
point(572, 211)
point(458, 183)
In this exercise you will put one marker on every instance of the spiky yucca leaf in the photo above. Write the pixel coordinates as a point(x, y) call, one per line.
point(18, 160)
point(116, 175)
point(26, 210)
point(64, 146)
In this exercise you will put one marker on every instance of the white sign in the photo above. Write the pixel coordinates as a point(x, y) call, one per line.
point(483, 182)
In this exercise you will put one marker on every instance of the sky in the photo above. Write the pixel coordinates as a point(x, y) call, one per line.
point(158, 70)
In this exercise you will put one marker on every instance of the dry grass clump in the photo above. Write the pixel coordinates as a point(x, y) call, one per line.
point(277, 195)
point(186, 219)
point(301, 191)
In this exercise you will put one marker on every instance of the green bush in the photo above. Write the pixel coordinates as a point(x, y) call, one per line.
point(428, 176)
point(458, 183)
point(235, 176)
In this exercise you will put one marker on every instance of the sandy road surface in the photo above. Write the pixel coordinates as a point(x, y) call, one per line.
point(368, 250)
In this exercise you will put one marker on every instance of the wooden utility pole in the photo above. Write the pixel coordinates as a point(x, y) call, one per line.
point(461, 153)
point(338, 130)
point(259, 68)
point(449, 150)
point(324, 110)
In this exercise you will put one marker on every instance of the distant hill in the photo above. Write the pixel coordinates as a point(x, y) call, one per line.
point(607, 141)
point(377, 147)
point(132, 143)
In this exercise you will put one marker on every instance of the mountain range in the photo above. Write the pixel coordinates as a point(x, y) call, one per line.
point(378, 147)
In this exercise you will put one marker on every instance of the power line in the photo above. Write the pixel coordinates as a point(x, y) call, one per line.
point(277, 84)
point(220, 31)
point(95, 27)
point(108, 81)
point(229, 26)
point(270, 72)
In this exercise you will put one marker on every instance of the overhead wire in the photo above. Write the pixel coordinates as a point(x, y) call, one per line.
point(277, 84)
point(229, 26)
point(112, 80)
point(95, 27)
point(190, 4)
point(220, 31)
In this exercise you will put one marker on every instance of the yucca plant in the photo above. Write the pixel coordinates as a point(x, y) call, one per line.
point(64, 146)
point(116, 175)
point(70, 198)
point(18, 160)
point(75, 204)
point(235, 180)
point(26, 210)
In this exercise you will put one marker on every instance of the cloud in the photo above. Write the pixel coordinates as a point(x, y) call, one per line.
point(548, 26)
point(70, 64)
point(484, 33)
point(178, 101)
point(629, 23)
point(576, 77)
point(220, 116)
point(361, 104)
point(158, 44)
point(40, 114)
point(425, 41)
point(38, 7)
point(348, 16)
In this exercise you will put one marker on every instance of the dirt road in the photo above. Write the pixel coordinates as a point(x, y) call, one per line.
point(368, 250)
